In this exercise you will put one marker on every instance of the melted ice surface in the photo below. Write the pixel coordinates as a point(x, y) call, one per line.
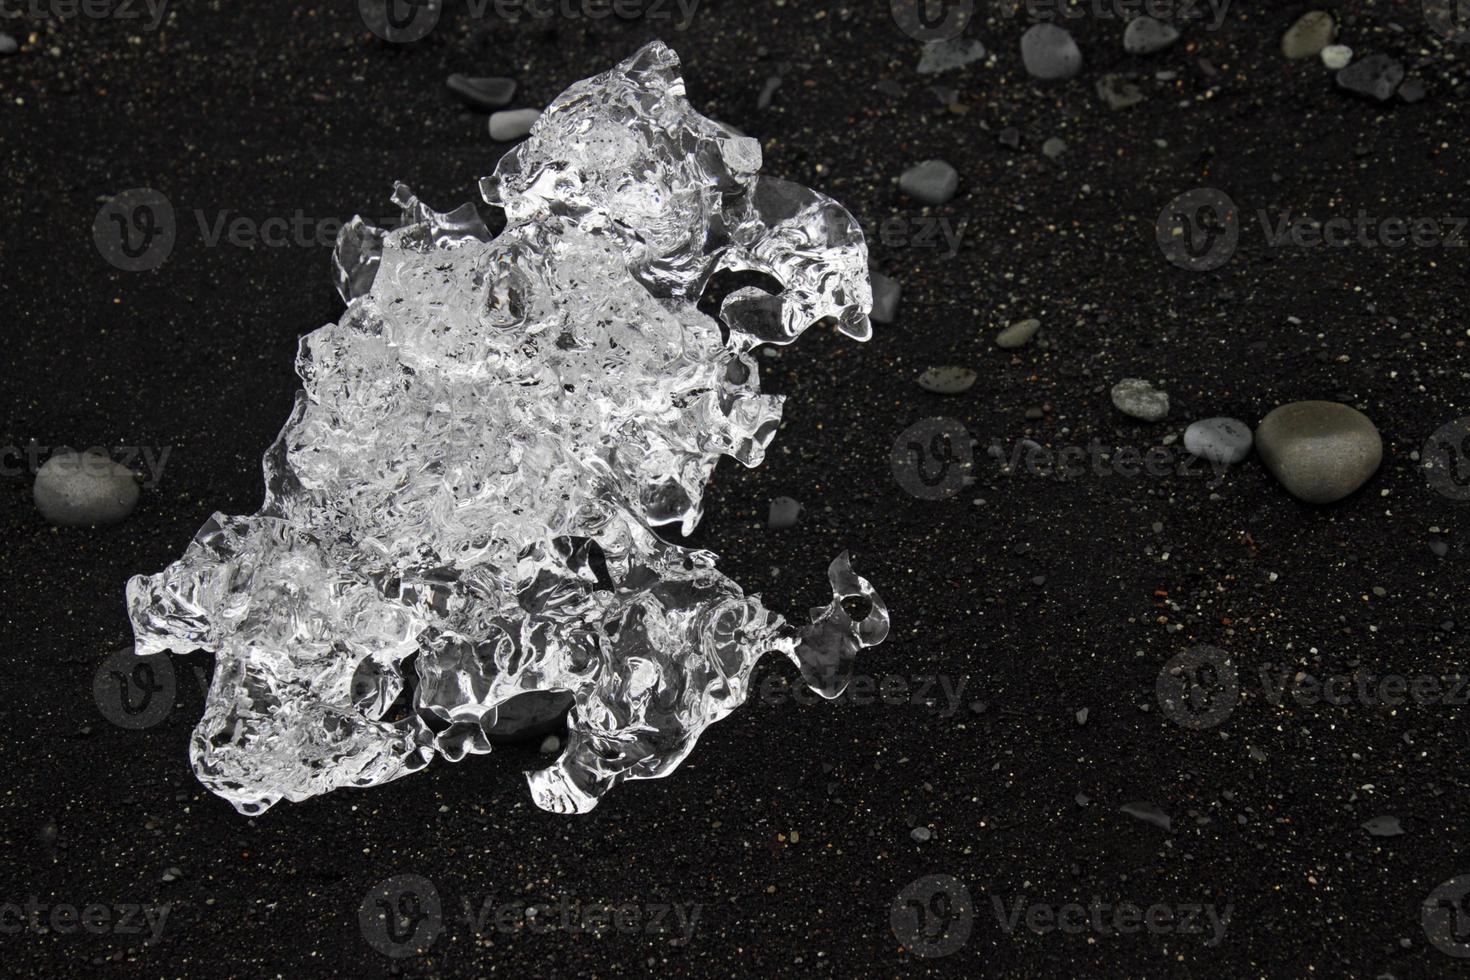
point(483, 444)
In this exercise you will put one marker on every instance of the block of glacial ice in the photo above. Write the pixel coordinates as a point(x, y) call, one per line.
point(461, 507)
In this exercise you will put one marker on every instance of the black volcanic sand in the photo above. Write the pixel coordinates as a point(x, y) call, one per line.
point(791, 825)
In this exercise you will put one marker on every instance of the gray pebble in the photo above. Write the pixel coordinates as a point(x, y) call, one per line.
point(81, 489)
point(1117, 92)
point(886, 293)
point(482, 93)
point(1412, 91)
point(947, 380)
point(1144, 35)
point(1049, 52)
point(1140, 400)
point(940, 56)
point(1018, 334)
point(930, 182)
point(783, 514)
point(550, 745)
point(1376, 76)
point(512, 124)
point(1312, 32)
point(768, 92)
point(1054, 147)
point(920, 834)
point(1219, 440)
point(1148, 813)
point(8, 45)
point(1384, 826)
point(1319, 451)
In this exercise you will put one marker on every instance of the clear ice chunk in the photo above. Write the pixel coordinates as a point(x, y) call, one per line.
point(461, 508)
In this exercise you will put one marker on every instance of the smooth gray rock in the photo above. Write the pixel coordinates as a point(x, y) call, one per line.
point(784, 513)
point(1219, 440)
point(1049, 53)
point(930, 182)
point(1018, 334)
point(1312, 32)
point(947, 380)
point(1385, 826)
point(886, 293)
point(1412, 91)
point(1319, 451)
point(8, 45)
point(482, 93)
point(1144, 35)
point(1376, 76)
point(941, 56)
point(512, 124)
point(1054, 147)
point(82, 489)
point(1140, 400)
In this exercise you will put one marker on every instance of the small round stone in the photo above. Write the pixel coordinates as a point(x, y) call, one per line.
point(930, 182)
point(947, 380)
point(1336, 56)
point(1140, 400)
point(784, 513)
point(1319, 451)
point(82, 489)
point(1049, 53)
point(1312, 32)
point(8, 45)
point(1376, 76)
point(1219, 440)
point(1018, 334)
point(482, 93)
point(1145, 35)
point(1054, 147)
point(512, 124)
